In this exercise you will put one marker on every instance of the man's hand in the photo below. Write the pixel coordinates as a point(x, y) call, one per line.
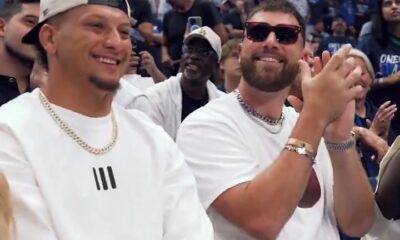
point(147, 62)
point(330, 91)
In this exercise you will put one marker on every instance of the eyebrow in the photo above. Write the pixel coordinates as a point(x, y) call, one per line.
point(103, 18)
point(30, 16)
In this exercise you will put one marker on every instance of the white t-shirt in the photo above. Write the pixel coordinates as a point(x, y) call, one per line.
point(138, 81)
point(224, 148)
point(141, 189)
point(130, 97)
point(166, 102)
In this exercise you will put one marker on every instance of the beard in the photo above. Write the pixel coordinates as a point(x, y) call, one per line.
point(23, 58)
point(104, 85)
point(265, 79)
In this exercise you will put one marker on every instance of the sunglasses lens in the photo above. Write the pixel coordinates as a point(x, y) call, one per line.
point(257, 32)
point(286, 35)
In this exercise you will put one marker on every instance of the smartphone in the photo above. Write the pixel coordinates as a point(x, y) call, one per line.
point(195, 22)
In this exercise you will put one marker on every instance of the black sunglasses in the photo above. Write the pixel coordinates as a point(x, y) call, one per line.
point(259, 31)
point(204, 52)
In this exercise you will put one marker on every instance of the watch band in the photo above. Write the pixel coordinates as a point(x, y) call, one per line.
point(300, 147)
point(341, 146)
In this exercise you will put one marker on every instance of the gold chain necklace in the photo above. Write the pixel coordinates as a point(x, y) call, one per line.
point(96, 151)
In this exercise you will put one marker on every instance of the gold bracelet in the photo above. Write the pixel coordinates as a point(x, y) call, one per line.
point(301, 147)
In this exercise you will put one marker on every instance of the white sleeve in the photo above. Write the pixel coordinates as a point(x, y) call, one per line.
point(184, 216)
point(156, 106)
point(32, 220)
point(216, 152)
point(142, 104)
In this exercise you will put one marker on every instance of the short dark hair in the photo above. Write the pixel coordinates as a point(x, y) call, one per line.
point(12, 7)
point(41, 52)
point(283, 6)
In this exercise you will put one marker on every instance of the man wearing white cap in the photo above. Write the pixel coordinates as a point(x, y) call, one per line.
point(178, 96)
point(80, 167)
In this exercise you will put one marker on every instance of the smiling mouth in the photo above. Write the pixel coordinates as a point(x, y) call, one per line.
point(192, 67)
point(268, 59)
point(108, 61)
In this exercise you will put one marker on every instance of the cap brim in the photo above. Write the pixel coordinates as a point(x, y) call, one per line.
point(32, 36)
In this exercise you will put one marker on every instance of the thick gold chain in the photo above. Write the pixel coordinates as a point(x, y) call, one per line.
point(96, 151)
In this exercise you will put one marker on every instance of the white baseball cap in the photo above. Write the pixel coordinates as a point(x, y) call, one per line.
point(209, 35)
point(51, 8)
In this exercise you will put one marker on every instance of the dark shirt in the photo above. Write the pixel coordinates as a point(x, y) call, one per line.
point(318, 10)
point(141, 11)
point(174, 24)
point(233, 18)
point(386, 61)
point(332, 44)
point(8, 89)
point(189, 104)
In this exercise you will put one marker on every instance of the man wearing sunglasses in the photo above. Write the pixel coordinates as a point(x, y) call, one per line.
point(178, 96)
point(264, 171)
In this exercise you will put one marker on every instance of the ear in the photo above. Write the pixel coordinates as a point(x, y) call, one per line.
point(47, 36)
point(2, 27)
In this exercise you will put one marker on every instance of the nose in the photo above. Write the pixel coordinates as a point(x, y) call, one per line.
point(271, 41)
point(193, 54)
point(113, 39)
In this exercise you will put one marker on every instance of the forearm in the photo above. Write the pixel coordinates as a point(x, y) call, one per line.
point(353, 196)
point(146, 30)
point(158, 38)
point(157, 75)
point(387, 81)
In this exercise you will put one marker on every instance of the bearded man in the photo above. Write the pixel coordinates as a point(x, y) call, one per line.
point(264, 171)
point(16, 58)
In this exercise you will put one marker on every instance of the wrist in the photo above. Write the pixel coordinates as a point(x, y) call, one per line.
point(312, 114)
point(341, 146)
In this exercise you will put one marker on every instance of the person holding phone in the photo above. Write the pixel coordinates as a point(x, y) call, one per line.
point(175, 98)
point(175, 24)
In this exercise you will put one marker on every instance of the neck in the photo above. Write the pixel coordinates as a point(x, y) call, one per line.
point(77, 95)
point(269, 104)
point(10, 66)
point(394, 29)
point(231, 83)
point(360, 108)
point(195, 91)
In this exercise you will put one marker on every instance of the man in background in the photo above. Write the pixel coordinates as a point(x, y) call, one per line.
point(175, 98)
point(16, 58)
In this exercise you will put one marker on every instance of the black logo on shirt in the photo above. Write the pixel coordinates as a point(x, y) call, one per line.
point(107, 179)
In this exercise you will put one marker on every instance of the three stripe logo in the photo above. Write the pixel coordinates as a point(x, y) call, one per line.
point(104, 179)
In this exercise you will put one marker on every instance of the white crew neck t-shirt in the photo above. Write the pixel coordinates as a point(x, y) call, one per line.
point(225, 147)
point(141, 189)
